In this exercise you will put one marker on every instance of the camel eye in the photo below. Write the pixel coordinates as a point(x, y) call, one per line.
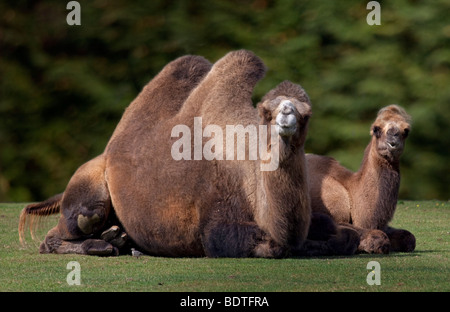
point(377, 131)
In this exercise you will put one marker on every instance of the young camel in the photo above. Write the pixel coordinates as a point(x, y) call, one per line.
point(366, 200)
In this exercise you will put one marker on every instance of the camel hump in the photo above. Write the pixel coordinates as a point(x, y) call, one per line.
point(289, 89)
point(240, 67)
point(228, 87)
point(189, 67)
point(175, 80)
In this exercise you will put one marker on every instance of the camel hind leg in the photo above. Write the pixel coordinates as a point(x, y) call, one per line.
point(85, 207)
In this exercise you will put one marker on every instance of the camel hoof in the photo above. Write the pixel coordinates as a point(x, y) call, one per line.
point(376, 242)
point(119, 241)
point(98, 247)
point(114, 236)
point(110, 233)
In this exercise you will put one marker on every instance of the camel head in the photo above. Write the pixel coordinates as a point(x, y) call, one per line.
point(390, 130)
point(287, 107)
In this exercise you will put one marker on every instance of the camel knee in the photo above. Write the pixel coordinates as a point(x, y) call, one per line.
point(84, 221)
point(89, 224)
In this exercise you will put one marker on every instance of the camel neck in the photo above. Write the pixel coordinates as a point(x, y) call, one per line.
point(378, 182)
point(373, 163)
point(281, 212)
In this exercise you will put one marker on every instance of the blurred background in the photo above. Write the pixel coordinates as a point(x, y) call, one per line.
point(64, 88)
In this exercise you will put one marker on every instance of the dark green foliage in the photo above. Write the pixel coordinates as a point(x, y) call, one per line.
point(64, 88)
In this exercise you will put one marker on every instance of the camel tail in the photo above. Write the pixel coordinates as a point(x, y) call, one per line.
point(32, 213)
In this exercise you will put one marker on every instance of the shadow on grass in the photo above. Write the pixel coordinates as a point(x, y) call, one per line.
point(415, 253)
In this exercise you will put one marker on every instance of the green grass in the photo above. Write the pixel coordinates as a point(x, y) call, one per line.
point(425, 269)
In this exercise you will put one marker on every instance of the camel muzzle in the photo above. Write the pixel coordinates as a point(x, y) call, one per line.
point(286, 122)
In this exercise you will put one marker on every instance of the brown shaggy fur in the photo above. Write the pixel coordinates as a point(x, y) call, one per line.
point(85, 204)
point(366, 199)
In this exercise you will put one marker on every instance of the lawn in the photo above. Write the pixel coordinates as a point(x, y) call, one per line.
point(425, 269)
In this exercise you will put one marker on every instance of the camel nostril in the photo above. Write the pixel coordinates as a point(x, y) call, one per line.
point(287, 110)
point(286, 107)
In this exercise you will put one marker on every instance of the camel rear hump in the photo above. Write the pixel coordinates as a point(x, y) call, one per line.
point(240, 66)
point(227, 89)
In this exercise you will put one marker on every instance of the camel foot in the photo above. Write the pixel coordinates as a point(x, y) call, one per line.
point(374, 241)
point(115, 236)
point(98, 247)
point(401, 240)
point(94, 247)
